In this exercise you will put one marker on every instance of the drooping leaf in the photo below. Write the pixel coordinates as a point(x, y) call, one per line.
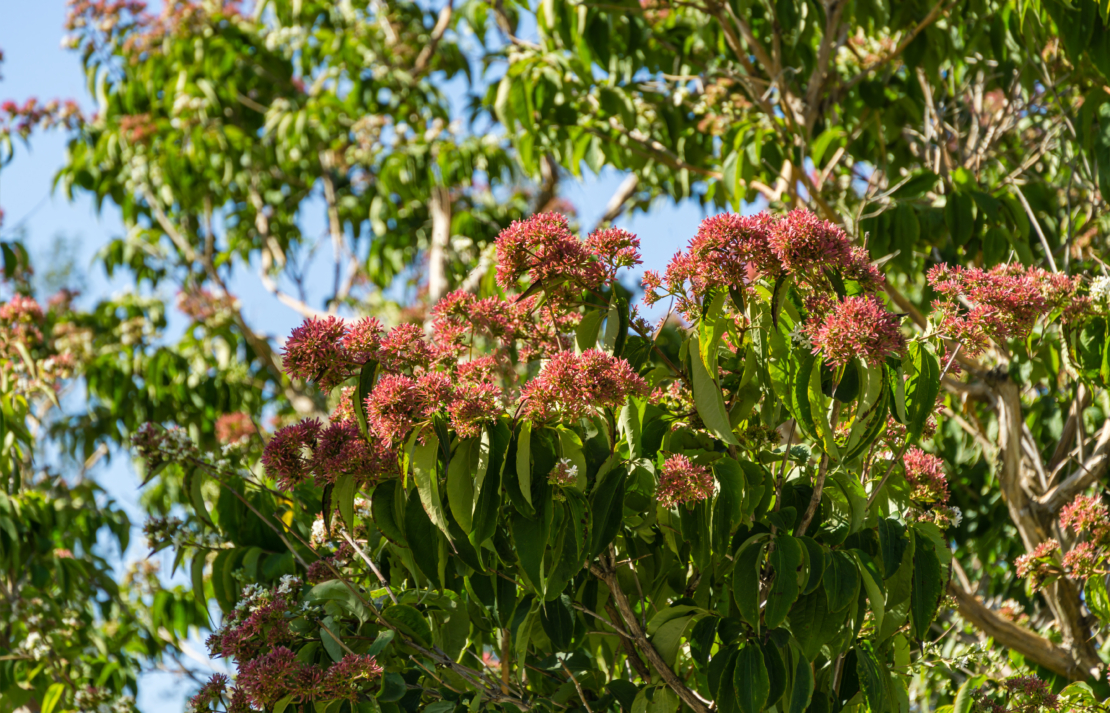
point(752, 684)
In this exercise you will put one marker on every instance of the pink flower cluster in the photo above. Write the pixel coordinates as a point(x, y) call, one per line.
point(572, 385)
point(732, 251)
point(268, 679)
point(855, 327)
point(1033, 690)
point(1086, 514)
point(925, 476)
point(23, 119)
point(1040, 563)
point(976, 306)
point(543, 248)
point(201, 305)
point(682, 481)
point(257, 625)
point(309, 449)
point(234, 427)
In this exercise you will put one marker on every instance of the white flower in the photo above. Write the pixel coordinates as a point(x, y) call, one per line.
point(798, 337)
point(288, 584)
point(957, 516)
point(1100, 289)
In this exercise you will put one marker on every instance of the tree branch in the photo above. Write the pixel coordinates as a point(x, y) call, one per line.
point(440, 208)
point(689, 697)
point(441, 25)
point(615, 206)
point(819, 76)
point(1089, 472)
point(1033, 527)
point(1009, 635)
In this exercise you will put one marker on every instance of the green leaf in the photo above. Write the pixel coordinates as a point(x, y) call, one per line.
point(495, 443)
point(701, 640)
point(958, 217)
point(801, 688)
point(384, 513)
point(422, 536)
point(366, 378)
point(331, 644)
point(720, 676)
point(928, 585)
point(409, 622)
point(344, 494)
point(338, 591)
point(393, 688)
point(918, 184)
point(424, 461)
point(750, 679)
point(281, 705)
point(524, 460)
point(197, 497)
point(460, 483)
point(607, 509)
point(668, 638)
point(708, 399)
point(921, 389)
point(557, 620)
point(197, 572)
point(585, 337)
point(785, 560)
point(892, 544)
point(530, 537)
point(815, 555)
point(51, 697)
point(965, 698)
point(873, 679)
point(873, 585)
point(842, 580)
point(745, 579)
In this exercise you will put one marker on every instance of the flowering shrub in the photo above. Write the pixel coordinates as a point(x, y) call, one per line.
point(541, 498)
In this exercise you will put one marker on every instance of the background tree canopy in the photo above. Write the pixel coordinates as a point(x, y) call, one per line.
point(968, 133)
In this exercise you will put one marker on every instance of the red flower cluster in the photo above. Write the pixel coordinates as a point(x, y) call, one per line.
point(976, 306)
point(202, 305)
point(543, 248)
point(1084, 560)
point(308, 448)
point(925, 476)
point(683, 482)
point(278, 674)
point(1087, 514)
point(24, 118)
point(855, 327)
point(732, 251)
point(571, 385)
point(234, 427)
point(258, 623)
point(1040, 563)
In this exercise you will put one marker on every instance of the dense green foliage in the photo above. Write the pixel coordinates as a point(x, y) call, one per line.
point(961, 132)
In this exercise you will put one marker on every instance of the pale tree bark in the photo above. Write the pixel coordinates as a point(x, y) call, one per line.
point(440, 208)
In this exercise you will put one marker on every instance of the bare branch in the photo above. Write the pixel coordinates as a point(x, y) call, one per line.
point(1089, 472)
point(819, 76)
point(441, 25)
point(615, 206)
point(1009, 635)
point(1037, 225)
point(676, 684)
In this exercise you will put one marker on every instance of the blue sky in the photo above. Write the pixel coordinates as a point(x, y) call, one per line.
point(35, 65)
